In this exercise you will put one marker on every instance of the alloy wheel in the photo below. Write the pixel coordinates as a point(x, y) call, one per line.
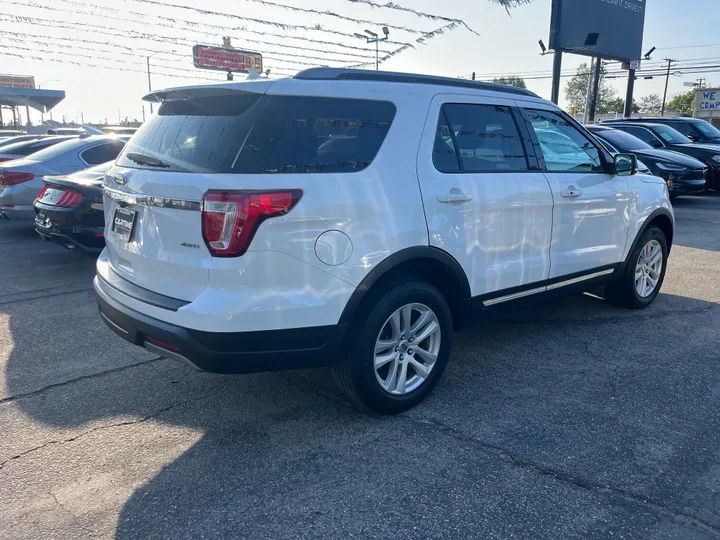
point(648, 269)
point(406, 349)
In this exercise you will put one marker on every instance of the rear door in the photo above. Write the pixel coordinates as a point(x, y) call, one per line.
point(590, 226)
point(486, 202)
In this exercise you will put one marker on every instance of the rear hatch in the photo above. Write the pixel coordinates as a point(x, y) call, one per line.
point(153, 194)
point(196, 181)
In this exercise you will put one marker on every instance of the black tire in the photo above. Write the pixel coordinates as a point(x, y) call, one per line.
point(355, 373)
point(623, 292)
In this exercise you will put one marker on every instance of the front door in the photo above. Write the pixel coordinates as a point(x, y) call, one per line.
point(486, 202)
point(590, 217)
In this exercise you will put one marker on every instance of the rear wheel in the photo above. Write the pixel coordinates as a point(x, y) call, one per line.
point(398, 351)
point(640, 284)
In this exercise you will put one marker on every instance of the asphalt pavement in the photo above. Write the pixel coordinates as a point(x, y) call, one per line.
point(577, 420)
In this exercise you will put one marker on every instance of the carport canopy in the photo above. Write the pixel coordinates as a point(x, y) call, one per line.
point(40, 100)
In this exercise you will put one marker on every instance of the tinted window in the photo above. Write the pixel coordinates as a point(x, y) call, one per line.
point(252, 133)
point(486, 137)
point(624, 142)
point(102, 153)
point(445, 156)
point(643, 134)
point(684, 128)
point(669, 135)
point(202, 134)
point(563, 146)
point(707, 128)
point(297, 134)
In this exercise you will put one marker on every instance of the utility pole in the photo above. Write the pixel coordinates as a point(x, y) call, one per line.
point(629, 93)
point(667, 80)
point(143, 109)
point(588, 94)
point(701, 83)
point(557, 67)
point(149, 83)
point(595, 89)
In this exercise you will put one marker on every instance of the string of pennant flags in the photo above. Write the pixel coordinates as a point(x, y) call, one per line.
point(338, 52)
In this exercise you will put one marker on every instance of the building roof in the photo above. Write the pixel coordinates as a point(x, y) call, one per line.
point(41, 100)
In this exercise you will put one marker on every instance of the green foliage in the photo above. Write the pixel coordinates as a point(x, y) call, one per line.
point(651, 104)
point(512, 81)
point(618, 105)
point(682, 103)
point(577, 86)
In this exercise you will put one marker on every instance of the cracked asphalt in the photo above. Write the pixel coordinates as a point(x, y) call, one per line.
point(577, 420)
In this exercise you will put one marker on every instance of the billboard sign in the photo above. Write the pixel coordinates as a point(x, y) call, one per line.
point(17, 81)
point(226, 59)
point(610, 29)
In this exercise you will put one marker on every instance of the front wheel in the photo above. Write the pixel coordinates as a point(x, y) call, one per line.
point(640, 284)
point(398, 352)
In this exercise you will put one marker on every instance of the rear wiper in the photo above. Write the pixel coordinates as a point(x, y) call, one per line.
point(142, 159)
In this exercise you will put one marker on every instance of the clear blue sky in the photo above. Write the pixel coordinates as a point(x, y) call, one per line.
point(507, 43)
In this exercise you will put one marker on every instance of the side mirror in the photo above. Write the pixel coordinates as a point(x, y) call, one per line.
point(626, 164)
point(656, 144)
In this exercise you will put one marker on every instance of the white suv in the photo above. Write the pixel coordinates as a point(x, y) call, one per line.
point(356, 219)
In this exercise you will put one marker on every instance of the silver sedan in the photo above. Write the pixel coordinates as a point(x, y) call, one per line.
point(21, 179)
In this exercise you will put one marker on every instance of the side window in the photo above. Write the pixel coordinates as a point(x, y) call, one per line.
point(564, 147)
point(102, 153)
point(641, 133)
point(485, 137)
point(685, 128)
point(445, 155)
point(298, 134)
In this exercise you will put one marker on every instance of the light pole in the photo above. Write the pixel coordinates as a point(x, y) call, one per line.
point(147, 58)
point(374, 38)
point(42, 114)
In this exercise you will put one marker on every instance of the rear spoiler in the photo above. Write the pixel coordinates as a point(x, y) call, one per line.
point(208, 90)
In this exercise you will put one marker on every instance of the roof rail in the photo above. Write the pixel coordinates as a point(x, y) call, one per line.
point(324, 74)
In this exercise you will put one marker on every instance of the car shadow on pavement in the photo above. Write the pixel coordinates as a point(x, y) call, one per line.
point(577, 420)
point(697, 219)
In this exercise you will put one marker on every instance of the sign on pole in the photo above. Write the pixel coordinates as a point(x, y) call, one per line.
point(17, 81)
point(226, 59)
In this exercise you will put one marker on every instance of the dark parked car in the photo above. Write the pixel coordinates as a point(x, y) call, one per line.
point(23, 149)
point(69, 209)
point(684, 175)
point(695, 129)
point(664, 137)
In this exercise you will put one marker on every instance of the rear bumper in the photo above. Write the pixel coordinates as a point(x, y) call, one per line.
point(223, 352)
point(72, 228)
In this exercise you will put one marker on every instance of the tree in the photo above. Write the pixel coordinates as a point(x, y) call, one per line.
point(512, 81)
point(651, 104)
point(617, 105)
point(576, 91)
point(682, 103)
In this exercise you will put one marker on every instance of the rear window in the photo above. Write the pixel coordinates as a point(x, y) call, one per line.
point(59, 148)
point(253, 133)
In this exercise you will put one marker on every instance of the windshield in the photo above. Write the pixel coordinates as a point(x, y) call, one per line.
point(707, 128)
point(623, 141)
point(669, 135)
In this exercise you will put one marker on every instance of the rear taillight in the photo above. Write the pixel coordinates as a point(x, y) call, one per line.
point(230, 218)
point(8, 178)
point(69, 198)
point(42, 192)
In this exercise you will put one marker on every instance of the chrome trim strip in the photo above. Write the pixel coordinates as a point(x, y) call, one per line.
point(579, 279)
point(514, 296)
point(157, 202)
point(552, 287)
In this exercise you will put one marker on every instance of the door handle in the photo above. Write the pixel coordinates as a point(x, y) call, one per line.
point(454, 198)
point(571, 193)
